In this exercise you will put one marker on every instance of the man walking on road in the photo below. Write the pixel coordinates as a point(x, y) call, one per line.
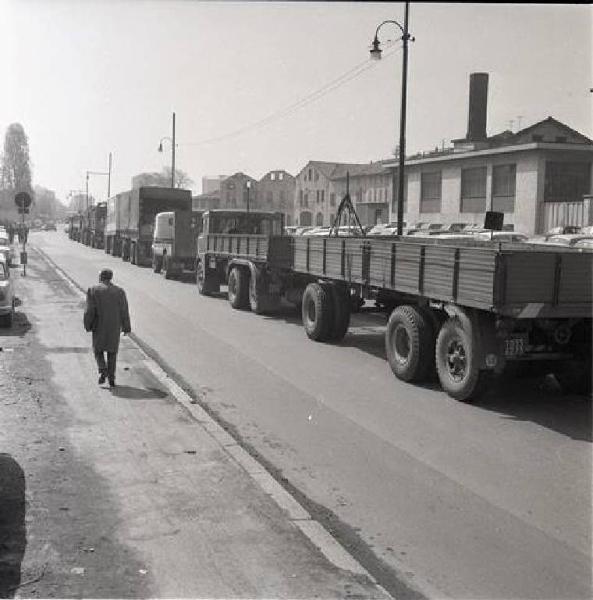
point(106, 315)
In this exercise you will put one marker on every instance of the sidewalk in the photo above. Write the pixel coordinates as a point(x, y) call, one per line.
point(135, 492)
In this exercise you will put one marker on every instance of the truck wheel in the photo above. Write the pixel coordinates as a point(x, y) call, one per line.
point(317, 312)
point(166, 268)
point(457, 362)
point(238, 288)
point(409, 344)
point(341, 311)
point(157, 263)
point(206, 280)
point(574, 377)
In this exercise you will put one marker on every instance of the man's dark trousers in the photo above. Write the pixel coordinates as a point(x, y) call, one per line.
point(109, 368)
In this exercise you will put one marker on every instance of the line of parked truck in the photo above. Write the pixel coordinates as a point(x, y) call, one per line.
point(461, 309)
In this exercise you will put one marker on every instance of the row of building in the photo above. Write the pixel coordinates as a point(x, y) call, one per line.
point(539, 177)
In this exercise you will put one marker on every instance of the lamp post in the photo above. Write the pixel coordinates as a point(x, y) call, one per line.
point(376, 54)
point(172, 140)
point(248, 186)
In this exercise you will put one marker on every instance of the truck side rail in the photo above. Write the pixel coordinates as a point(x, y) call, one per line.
point(275, 250)
point(507, 278)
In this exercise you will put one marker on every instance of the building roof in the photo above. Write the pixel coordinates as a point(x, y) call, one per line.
point(546, 133)
point(337, 170)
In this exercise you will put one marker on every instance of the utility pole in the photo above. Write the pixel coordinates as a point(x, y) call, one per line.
point(402, 126)
point(109, 178)
point(173, 155)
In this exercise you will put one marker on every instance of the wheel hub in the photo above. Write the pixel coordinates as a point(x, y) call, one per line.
point(456, 360)
point(402, 344)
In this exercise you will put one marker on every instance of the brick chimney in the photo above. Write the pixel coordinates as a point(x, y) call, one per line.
point(478, 107)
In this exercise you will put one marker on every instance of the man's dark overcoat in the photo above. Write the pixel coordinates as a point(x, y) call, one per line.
point(106, 315)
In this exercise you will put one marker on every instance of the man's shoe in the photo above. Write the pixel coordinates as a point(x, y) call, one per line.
point(112, 382)
point(102, 378)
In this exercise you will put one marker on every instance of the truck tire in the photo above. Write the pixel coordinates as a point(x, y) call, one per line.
point(317, 312)
point(238, 288)
point(206, 280)
point(260, 300)
point(166, 268)
point(125, 251)
point(409, 344)
point(340, 297)
point(456, 359)
point(574, 377)
point(157, 263)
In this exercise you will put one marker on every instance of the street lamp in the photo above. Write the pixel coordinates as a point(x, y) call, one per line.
point(248, 186)
point(376, 54)
point(160, 149)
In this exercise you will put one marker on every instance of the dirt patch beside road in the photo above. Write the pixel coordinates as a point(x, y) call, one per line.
point(56, 513)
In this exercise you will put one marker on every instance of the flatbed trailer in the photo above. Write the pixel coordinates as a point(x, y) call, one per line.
point(465, 310)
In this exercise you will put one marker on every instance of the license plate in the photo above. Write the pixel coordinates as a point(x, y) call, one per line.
point(515, 345)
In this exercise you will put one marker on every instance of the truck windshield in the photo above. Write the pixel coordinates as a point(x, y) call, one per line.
point(245, 223)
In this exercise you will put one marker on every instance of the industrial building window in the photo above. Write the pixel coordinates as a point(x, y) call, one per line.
point(332, 199)
point(503, 188)
point(300, 197)
point(270, 196)
point(430, 192)
point(319, 219)
point(473, 190)
point(280, 176)
point(272, 176)
point(567, 181)
point(306, 199)
point(282, 197)
point(322, 195)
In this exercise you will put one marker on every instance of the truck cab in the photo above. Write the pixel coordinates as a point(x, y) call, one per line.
point(174, 241)
point(236, 248)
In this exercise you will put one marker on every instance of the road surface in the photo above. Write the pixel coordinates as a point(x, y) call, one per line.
point(464, 501)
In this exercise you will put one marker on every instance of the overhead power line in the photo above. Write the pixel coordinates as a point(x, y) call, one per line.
point(329, 87)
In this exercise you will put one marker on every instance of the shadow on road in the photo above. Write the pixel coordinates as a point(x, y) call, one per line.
point(20, 326)
point(133, 393)
point(539, 400)
point(13, 538)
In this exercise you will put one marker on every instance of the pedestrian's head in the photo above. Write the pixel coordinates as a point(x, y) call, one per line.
point(106, 275)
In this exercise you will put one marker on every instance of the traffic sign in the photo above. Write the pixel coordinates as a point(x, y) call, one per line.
point(22, 200)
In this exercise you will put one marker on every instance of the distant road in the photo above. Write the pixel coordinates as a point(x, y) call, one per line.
point(485, 501)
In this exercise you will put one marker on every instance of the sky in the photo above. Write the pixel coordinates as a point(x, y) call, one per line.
point(90, 77)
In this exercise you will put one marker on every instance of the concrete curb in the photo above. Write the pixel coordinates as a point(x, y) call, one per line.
point(301, 518)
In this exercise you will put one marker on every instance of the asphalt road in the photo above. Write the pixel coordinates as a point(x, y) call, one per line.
point(465, 501)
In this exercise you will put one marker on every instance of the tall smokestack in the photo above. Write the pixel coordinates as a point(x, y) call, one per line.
point(478, 107)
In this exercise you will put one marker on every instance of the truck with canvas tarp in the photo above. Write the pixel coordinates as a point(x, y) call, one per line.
point(131, 216)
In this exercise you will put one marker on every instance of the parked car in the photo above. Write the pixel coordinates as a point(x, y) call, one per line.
point(584, 243)
point(563, 230)
point(501, 236)
point(6, 294)
point(6, 249)
point(290, 229)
